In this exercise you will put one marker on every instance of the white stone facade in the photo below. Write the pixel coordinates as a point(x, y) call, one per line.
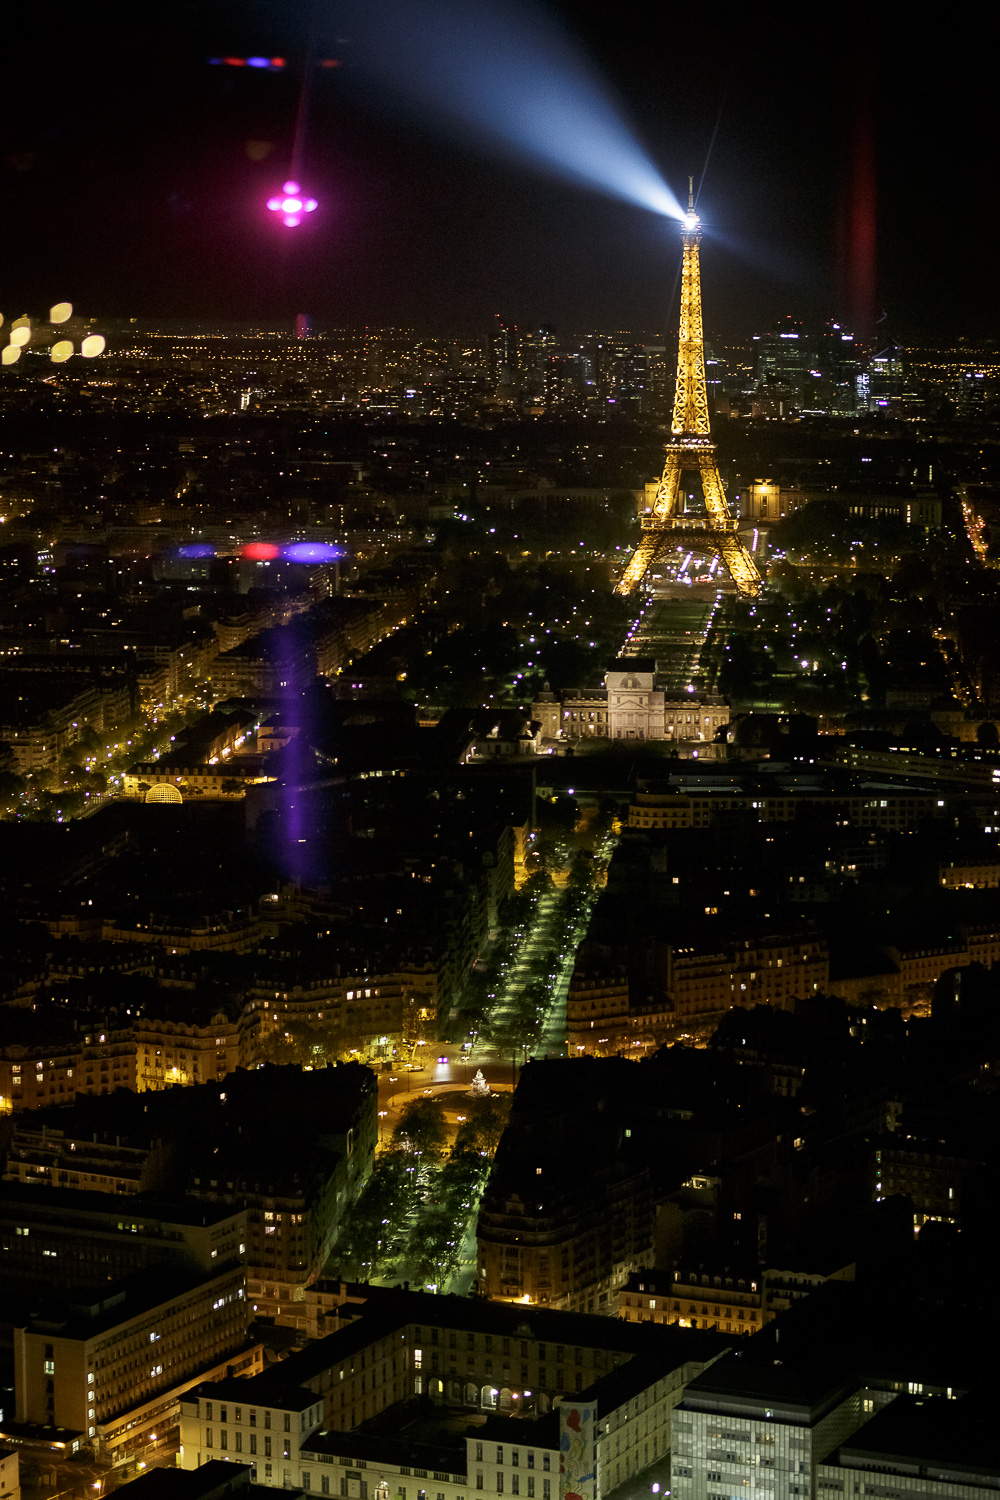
point(630, 707)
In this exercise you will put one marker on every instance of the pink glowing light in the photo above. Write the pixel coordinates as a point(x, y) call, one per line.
point(291, 205)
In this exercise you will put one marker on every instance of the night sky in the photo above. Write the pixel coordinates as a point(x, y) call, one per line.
point(127, 182)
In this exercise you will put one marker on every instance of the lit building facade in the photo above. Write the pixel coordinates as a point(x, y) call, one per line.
point(630, 707)
point(112, 1369)
point(628, 1381)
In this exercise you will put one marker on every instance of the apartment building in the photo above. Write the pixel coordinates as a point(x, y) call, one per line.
point(225, 1145)
point(729, 1302)
point(567, 1211)
point(262, 1422)
point(68, 1238)
point(36, 1072)
point(608, 1012)
point(674, 808)
point(181, 1048)
point(10, 1474)
point(44, 713)
point(930, 1172)
point(112, 1367)
point(454, 1351)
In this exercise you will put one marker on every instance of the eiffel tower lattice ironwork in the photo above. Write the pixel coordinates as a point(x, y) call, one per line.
point(691, 450)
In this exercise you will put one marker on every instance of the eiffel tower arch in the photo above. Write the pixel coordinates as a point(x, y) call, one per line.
point(691, 451)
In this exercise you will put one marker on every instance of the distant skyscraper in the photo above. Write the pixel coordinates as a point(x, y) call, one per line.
point(819, 365)
point(502, 352)
point(970, 393)
point(885, 385)
point(538, 347)
point(785, 355)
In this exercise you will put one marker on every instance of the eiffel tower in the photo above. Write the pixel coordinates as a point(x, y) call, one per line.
point(691, 450)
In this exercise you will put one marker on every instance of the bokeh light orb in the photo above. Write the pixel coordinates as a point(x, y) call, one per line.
point(11, 354)
point(62, 351)
point(20, 335)
point(259, 551)
point(196, 549)
point(60, 312)
point(291, 205)
point(92, 346)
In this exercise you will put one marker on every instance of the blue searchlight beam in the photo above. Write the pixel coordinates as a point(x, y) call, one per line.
point(503, 71)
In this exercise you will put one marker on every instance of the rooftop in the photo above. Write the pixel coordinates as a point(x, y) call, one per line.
point(268, 1390)
point(931, 1432)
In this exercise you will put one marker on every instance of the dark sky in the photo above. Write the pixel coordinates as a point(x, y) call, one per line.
point(126, 184)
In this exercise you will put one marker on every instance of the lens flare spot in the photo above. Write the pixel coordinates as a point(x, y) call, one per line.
point(196, 549)
point(92, 346)
point(61, 312)
point(259, 551)
point(291, 205)
point(62, 351)
point(310, 552)
point(21, 334)
point(11, 354)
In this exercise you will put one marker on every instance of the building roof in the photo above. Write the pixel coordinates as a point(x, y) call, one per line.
point(268, 1389)
point(87, 1312)
point(931, 1432)
point(626, 1382)
point(67, 1206)
point(391, 1448)
point(653, 1281)
point(841, 1337)
point(390, 1308)
point(523, 1432)
point(212, 1481)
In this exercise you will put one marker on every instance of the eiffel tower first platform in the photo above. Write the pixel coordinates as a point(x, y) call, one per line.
point(691, 450)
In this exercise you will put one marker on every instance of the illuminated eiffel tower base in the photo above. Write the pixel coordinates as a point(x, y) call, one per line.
point(691, 450)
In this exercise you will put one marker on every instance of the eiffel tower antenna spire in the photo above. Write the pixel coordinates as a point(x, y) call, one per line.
point(691, 449)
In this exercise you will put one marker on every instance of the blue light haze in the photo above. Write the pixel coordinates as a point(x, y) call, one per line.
point(505, 74)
